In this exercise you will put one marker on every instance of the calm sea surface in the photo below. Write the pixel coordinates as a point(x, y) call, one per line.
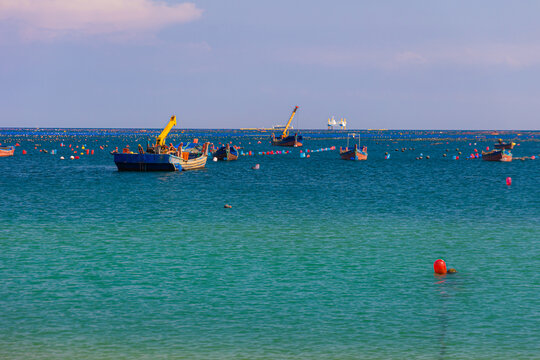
point(319, 258)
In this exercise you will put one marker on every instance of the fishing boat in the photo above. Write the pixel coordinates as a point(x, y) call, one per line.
point(193, 156)
point(504, 145)
point(226, 153)
point(162, 157)
point(285, 139)
point(497, 155)
point(158, 157)
point(353, 153)
point(7, 150)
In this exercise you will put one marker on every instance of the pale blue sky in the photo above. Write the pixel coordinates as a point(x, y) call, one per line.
point(230, 64)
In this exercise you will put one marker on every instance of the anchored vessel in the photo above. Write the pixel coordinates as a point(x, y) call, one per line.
point(353, 153)
point(7, 150)
point(226, 152)
point(497, 155)
point(502, 145)
point(162, 157)
point(285, 139)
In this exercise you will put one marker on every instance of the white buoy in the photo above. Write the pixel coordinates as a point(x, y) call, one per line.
point(72, 157)
point(214, 159)
point(61, 158)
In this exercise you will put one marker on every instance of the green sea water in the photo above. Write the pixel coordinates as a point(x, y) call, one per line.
point(318, 258)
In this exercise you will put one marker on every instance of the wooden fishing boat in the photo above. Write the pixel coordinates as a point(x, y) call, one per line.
point(497, 155)
point(226, 153)
point(7, 150)
point(285, 139)
point(504, 145)
point(193, 156)
point(353, 153)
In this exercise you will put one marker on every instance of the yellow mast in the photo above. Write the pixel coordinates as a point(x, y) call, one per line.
point(286, 131)
point(160, 140)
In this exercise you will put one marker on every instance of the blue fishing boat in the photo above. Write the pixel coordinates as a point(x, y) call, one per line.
point(158, 157)
point(226, 153)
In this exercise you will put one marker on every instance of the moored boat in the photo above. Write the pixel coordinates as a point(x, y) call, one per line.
point(285, 139)
point(504, 145)
point(497, 155)
point(226, 152)
point(7, 150)
point(162, 157)
point(193, 156)
point(353, 153)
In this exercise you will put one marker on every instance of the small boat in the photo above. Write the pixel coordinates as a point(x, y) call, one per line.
point(7, 150)
point(285, 139)
point(497, 155)
point(226, 153)
point(504, 145)
point(353, 153)
point(193, 156)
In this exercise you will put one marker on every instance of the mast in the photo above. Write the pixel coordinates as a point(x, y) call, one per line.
point(286, 131)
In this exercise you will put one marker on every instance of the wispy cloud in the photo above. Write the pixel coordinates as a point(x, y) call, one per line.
point(486, 54)
point(50, 19)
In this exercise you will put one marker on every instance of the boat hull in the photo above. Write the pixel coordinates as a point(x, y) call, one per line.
point(290, 141)
point(147, 162)
point(7, 151)
point(497, 155)
point(194, 164)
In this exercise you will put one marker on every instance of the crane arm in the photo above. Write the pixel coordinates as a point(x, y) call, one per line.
point(160, 140)
point(286, 130)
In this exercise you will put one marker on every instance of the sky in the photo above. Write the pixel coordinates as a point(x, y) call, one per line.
point(244, 63)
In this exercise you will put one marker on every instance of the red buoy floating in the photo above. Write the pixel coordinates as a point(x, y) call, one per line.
point(24, 152)
point(439, 266)
point(509, 181)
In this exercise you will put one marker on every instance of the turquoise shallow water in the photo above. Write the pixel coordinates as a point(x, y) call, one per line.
point(319, 258)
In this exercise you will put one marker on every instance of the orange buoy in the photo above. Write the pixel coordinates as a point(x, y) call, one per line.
point(439, 266)
point(509, 181)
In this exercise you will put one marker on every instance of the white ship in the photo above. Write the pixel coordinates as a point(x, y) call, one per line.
point(331, 123)
point(343, 124)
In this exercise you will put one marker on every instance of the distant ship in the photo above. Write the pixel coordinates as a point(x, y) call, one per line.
point(331, 123)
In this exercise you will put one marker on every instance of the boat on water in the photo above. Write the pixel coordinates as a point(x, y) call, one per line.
point(226, 152)
point(285, 139)
point(193, 156)
point(7, 150)
point(353, 153)
point(497, 155)
point(504, 145)
point(162, 157)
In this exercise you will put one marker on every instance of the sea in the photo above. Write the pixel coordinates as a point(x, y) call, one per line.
point(317, 257)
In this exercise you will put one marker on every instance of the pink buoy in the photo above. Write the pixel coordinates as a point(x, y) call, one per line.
point(439, 266)
point(509, 181)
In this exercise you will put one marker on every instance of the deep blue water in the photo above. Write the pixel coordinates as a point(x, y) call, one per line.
point(319, 258)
